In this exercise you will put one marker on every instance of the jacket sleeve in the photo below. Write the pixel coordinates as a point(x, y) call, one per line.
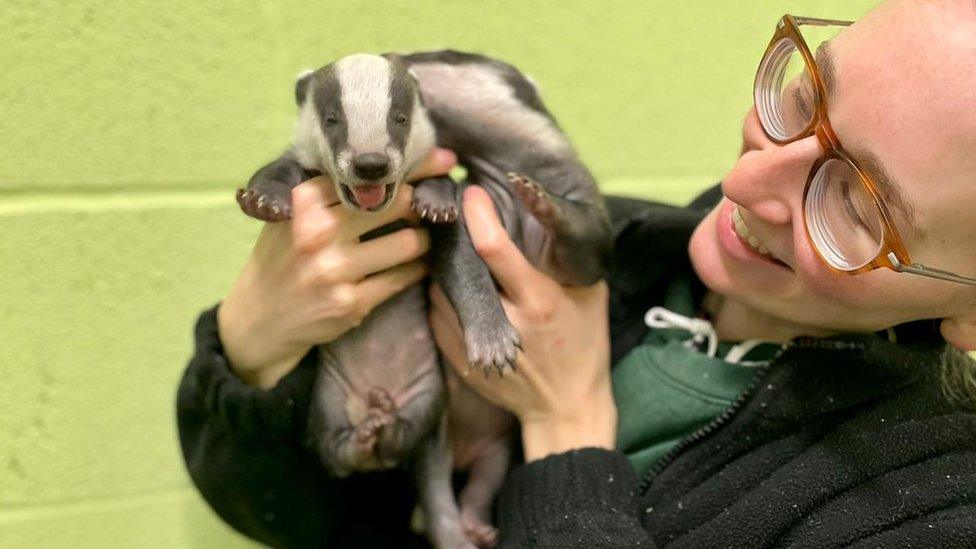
point(245, 451)
point(951, 527)
point(581, 498)
point(588, 497)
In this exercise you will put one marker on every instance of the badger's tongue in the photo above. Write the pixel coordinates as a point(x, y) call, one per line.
point(369, 196)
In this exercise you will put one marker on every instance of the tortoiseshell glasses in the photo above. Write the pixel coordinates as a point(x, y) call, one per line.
point(845, 216)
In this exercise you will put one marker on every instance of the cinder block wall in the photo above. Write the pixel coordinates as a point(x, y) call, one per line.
point(126, 126)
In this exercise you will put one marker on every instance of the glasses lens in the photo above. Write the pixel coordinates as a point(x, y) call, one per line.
point(784, 92)
point(842, 217)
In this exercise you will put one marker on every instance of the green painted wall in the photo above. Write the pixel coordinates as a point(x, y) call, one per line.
point(125, 127)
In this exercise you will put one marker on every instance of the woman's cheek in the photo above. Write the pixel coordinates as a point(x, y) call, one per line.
point(704, 255)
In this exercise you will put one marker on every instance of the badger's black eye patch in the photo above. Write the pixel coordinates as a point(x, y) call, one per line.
point(331, 120)
point(401, 118)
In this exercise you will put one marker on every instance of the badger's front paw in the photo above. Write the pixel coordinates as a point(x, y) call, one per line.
point(267, 204)
point(434, 200)
point(492, 346)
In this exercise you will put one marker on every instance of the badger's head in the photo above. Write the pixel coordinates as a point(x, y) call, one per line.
point(362, 122)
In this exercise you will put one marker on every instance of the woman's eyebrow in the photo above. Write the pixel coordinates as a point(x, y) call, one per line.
point(890, 189)
point(825, 64)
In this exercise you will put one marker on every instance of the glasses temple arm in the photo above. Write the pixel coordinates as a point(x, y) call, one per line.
point(820, 22)
point(918, 269)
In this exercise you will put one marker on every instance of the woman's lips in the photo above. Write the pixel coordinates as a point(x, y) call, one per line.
point(740, 242)
point(745, 234)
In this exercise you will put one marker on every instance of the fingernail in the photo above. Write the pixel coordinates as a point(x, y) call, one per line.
point(483, 222)
point(446, 157)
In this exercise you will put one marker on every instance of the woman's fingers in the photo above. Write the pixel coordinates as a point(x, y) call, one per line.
point(358, 224)
point(380, 254)
point(377, 288)
point(313, 226)
point(438, 162)
point(447, 331)
point(315, 219)
point(518, 278)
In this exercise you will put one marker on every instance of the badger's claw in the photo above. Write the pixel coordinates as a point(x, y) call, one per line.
point(264, 206)
point(435, 213)
point(493, 348)
point(434, 200)
point(535, 198)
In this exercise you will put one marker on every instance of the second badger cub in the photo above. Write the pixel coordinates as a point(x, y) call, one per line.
point(366, 121)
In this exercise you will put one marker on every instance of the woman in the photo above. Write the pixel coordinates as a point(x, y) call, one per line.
point(849, 418)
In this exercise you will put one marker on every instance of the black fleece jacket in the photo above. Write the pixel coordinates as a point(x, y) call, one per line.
point(842, 441)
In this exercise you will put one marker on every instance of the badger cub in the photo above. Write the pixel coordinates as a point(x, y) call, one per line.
point(366, 121)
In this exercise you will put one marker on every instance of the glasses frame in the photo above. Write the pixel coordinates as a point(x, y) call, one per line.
point(892, 253)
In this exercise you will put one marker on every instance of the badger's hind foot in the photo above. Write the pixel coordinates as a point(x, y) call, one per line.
point(266, 203)
point(535, 198)
point(377, 398)
point(492, 347)
point(382, 413)
point(482, 534)
point(369, 429)
point(435, 200)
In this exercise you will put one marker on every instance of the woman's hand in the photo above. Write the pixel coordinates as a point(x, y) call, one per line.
point(310, 280)
point(560, 389)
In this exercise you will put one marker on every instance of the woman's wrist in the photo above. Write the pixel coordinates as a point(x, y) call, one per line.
point(254, 354)
point(592, 424)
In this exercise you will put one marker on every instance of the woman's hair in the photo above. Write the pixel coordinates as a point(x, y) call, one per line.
point(959, 377)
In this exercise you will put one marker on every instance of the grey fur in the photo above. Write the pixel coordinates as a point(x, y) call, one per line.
point(403, 94)
point(380, 389)
point(327, 99)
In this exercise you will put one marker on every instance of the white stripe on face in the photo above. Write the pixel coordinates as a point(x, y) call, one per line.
point(310, 146)
point(365, 84)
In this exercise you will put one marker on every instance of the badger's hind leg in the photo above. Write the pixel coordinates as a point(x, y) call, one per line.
point(442, 520)
point(484, 481)
point(415, 419)
point(344, 446)
point(580, 232)
point(385, 436)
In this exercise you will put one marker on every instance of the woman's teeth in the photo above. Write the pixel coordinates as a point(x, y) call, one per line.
point(743, 231)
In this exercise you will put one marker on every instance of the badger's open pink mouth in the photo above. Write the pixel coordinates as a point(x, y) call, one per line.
point(368, 196)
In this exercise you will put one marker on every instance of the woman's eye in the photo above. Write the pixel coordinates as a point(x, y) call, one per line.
point(801, 103)
point(850, 207)
point(401, 119)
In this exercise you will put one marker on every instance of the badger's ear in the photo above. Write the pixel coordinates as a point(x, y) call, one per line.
point(397, 59)
point(301, 86)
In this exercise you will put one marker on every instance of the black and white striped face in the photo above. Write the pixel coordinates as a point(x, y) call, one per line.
point(361, 122)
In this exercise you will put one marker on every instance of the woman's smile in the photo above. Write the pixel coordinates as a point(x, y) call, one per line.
point(740, 242)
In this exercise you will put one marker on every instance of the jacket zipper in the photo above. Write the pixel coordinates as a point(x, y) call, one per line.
point(713, 425)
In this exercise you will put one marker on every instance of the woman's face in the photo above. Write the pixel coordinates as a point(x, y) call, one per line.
point(905, 94)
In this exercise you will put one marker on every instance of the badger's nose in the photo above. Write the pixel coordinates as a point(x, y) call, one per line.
point(371, 165)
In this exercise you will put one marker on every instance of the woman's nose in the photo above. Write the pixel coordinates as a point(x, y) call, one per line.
point(768, 179)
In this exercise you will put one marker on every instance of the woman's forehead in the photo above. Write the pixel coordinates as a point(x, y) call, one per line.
point(906, 91)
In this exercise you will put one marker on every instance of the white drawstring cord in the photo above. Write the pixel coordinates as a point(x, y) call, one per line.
point(740, 350)
point(659, 317)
